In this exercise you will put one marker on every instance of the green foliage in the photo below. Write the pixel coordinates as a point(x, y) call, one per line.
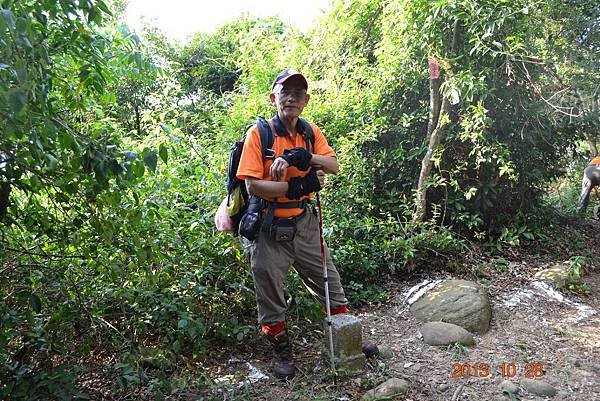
point(563, 194)
point(212, 63)
point(577, 267)
point(457, 350)
point(58, 139)
point(102, 245)
point(114, 150)
point(365, 294)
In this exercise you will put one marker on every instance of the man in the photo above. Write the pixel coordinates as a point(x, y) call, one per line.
point(290, 179)
point(591, 179)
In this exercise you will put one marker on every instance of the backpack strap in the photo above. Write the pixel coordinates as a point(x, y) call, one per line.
point(269, 216)
point(309, 135)
point(266, 138)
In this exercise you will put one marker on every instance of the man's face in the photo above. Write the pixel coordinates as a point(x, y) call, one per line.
point(289, 98)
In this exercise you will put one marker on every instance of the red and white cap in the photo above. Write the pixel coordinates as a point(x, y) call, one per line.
point(287, 74)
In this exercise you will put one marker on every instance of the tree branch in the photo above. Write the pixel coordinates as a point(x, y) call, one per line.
point(371, 23)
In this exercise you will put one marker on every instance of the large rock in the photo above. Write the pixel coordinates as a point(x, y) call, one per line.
point(387, 391)
point(538, 387)
point(440, 333)
point(460, 302)
point(509, 388)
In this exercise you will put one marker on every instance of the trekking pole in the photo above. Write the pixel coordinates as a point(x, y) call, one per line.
point(326, 282)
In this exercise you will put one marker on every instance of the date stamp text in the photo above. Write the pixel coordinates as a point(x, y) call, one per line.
point(529, 370)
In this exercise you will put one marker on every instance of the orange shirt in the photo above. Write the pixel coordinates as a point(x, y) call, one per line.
point(252, 164)
point(595, 160)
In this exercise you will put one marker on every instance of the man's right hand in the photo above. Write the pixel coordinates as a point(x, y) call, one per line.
point(278, 167)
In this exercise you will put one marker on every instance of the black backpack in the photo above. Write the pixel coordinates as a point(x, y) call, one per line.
point(267, 139)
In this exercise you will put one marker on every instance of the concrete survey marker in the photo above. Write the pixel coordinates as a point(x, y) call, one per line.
point(347, 342)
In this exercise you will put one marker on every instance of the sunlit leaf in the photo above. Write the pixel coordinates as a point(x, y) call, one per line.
point(102, 6)
point(138, 169)
point(162, 151)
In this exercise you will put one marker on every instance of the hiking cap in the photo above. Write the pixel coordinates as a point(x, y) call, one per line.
point(287, 74)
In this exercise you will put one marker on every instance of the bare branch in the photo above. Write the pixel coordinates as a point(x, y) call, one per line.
point(559, 108)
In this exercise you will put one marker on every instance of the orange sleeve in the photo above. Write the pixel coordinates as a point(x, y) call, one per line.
point(321, 146)
point(251, 161)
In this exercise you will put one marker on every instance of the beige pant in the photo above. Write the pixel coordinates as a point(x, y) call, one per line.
point(271, 260)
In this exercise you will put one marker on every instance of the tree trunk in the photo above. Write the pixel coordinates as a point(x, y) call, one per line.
point(4, 198)
point(435, 132)
point(434, 140)
point(434, 105)
point(138, 123)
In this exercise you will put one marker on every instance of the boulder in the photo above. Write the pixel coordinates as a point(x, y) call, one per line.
point(538, 387)
point(387, 391)
point(508, 387)
point(440, 333)
point(460, 302)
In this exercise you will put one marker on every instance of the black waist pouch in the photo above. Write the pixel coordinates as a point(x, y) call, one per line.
point(283, 229)
point(252, 220)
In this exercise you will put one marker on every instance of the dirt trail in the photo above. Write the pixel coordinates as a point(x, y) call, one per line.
point(530, 333)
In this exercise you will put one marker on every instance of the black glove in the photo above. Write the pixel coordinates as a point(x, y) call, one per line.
point(300, 186)
point(297, 157)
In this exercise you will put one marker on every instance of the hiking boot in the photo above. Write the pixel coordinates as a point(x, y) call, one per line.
point(283, 362)
point(370, 350)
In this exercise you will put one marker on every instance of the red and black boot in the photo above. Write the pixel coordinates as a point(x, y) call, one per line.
point(283, 362)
